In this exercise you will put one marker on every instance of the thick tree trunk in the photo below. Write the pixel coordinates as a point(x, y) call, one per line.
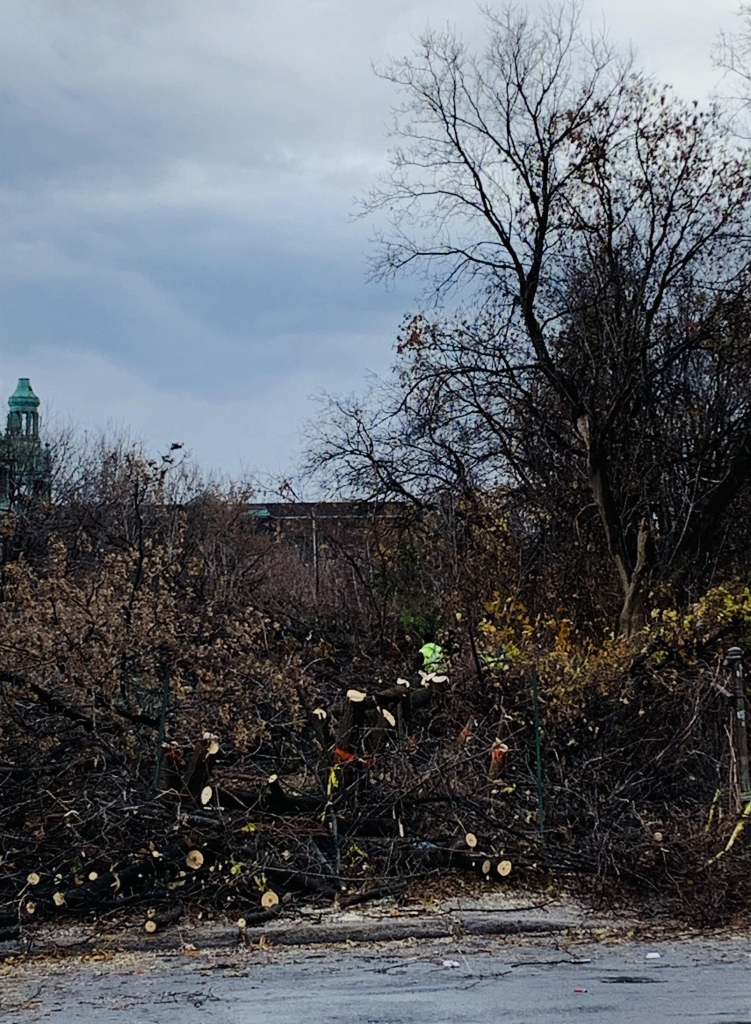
point(632, 616)
point(632, 571)
point(633, 612)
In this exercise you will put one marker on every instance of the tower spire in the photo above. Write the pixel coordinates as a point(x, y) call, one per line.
point(23, 418)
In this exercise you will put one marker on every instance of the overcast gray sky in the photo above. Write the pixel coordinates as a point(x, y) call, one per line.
point(176, 186)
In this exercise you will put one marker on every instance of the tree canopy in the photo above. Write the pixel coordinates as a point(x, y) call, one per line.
point(585, 233)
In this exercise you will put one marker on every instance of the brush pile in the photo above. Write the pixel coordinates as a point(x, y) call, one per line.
point(351, 793)
point(193, 714)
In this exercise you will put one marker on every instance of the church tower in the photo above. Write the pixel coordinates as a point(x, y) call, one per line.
point(24, 463)
point(23, 418)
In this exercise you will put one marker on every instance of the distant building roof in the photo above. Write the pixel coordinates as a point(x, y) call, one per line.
point(325, 509)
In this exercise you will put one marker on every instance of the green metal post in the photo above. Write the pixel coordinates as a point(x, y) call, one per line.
point(734, 662)
point(538, 750)
point(162, 725)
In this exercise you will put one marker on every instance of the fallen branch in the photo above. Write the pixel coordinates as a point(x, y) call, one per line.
point(379, 892)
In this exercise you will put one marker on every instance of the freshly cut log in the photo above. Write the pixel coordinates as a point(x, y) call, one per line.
point(300, 881)
point(278, 801)
point(212, 744)
point(196, 776)
point(194, 859)
point(260, 917)
point(111, 886)
point(158, 922)
point(352, 722)
point(498, 758)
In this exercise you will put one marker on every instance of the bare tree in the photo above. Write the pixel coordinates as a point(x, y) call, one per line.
point(594, 231)
point(732, 56)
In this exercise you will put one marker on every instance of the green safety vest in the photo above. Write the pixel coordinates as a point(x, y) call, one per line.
point(432, 656)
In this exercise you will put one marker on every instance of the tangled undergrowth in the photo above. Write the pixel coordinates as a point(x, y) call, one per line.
point(159, 748)
point(192, 711)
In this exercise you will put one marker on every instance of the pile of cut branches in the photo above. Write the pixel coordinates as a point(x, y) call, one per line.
point(165, 740)
point(373, 787)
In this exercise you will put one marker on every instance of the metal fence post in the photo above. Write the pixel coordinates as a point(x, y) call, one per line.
point(734, 663)
point(538, 751)
point(162, 726)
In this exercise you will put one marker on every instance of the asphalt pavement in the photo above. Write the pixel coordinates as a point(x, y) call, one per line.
point(458, 980)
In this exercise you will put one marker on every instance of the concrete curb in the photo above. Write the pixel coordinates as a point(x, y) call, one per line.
point(435, 927)
point(298, 933)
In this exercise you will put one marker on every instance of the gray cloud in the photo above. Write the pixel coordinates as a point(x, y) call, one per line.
point(175, 202)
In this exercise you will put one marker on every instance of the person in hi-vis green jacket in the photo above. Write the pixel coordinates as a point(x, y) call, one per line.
point(432, 658)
